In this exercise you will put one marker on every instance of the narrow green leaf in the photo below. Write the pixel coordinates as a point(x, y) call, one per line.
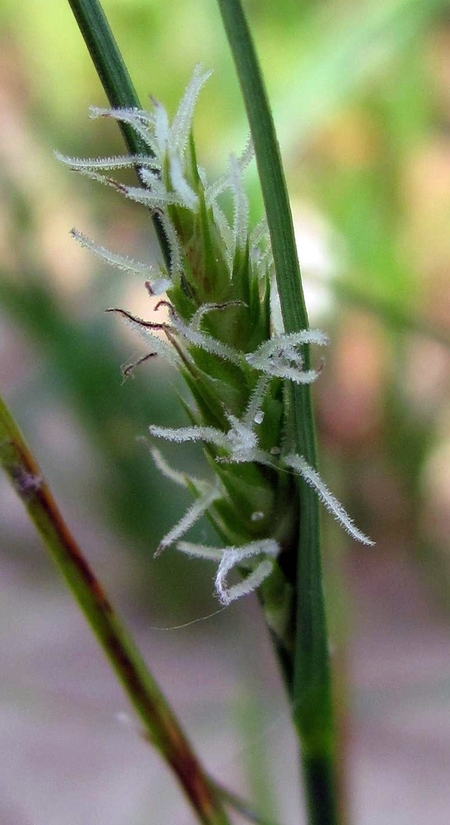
point(311, 689)
point(115, 80)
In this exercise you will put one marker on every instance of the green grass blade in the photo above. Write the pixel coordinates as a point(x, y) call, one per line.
point(115, 80)
point(269, 166)
point(311, 689)
point(108, 62)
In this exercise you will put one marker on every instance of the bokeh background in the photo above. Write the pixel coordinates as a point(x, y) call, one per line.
point(361, 97)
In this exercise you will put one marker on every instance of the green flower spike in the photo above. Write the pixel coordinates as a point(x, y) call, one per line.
point(219, 334)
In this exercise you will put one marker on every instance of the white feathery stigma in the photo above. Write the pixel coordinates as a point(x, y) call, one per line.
point(230, 557)
point(312, 477)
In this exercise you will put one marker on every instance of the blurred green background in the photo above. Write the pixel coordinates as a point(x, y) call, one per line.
point(361, 98)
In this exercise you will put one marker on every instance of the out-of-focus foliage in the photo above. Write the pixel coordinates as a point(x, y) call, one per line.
point(361, 95)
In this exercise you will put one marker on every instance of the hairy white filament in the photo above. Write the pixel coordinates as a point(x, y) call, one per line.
point(312, 477)
point(229, 558)
point(191, 516)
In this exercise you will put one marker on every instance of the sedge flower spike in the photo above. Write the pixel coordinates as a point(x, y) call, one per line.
point(220, 335)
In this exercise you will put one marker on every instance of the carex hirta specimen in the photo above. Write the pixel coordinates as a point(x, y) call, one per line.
point(220, 331)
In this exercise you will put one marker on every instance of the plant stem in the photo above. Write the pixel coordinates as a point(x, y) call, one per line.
point(318, 775)
point(311, 685)
point(116, 82)
point(160, 724)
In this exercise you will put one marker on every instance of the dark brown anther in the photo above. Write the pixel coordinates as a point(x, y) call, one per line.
point(139, 321)
point(164, 303)
point(128, 369)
